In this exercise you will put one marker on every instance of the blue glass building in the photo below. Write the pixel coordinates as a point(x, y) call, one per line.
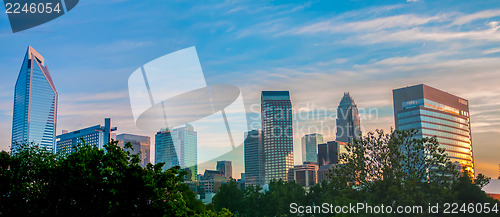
point(178, 147)
point(254, 158)
point(310, 147)
point(277, 134)
point(35, 104)
point(436, 113)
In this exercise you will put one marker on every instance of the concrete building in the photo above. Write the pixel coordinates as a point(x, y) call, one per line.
point(226, 168)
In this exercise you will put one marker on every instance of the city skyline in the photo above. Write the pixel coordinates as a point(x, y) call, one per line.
point(316, 50)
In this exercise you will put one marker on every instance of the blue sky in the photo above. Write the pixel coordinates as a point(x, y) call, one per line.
point(316, 49)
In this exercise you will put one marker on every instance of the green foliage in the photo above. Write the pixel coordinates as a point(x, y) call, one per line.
point(93, 182)
point(395, 169)
point(482, 180)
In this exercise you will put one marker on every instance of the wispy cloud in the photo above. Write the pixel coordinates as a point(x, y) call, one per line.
point(476, 16)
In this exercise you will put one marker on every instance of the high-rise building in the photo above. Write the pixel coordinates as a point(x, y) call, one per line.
point(436, 113)
point(329, 152)
point(310, 147)
point(165, 150)
point(254, 158)
point(35, 104)
point(186, 142)
point(96, 136)
point(140, 145)
point(277, 134)
point(226, 168)
point(348, 123)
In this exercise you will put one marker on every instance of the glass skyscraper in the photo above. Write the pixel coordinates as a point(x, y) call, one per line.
point(310, 147)
point(165, 150)
point(178, 147)
point(348, 123)
point(254, 158)
point(35, 104)
point(277, 134)
point(436, 113)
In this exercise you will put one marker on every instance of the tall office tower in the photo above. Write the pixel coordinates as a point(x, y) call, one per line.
point(310, 147)
point(436, 113)
point(254, 158)
point(277, 134)
point(348, 124)
point(35, 104)
point(97, 136)
point(165, 150)
point(140, 145)
point(186, 142)
point(225, 167)
point(329, 152)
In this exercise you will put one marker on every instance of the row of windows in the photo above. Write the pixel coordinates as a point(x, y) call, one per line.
point(403, 121)
point(420, 125)
point(443, 134)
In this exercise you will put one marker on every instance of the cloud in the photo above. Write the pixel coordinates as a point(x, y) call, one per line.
point(476, 16)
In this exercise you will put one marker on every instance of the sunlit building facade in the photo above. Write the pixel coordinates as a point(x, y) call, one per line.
point(310, 147)
point(436, 113)
point(277, 134)
point(140, 145)
point(35, 104)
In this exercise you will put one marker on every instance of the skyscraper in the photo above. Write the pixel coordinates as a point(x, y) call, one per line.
point(186, 142)
point(329, 152)
point(165, 150)
point(97, 136)
point(277, 134)
point(348, 124)
point(254, 158)
point(310, 147)
point(225, 167)
point(35, 104)
point(436, 113)
point(140, 145)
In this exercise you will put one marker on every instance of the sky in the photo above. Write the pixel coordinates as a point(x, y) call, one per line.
point(316, 49)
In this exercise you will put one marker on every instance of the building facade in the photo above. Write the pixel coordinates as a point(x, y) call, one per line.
point(96, 136)
point(140, 145)
point(186, 142)
point(35, 105)
point(348, 122)
point(436, 113)
point(329, 152)
point(178, 147)
point(277, 134)
point(310, 147)
point(165, 150)
point(306, 174)
point(254, 158)
point(226, 168)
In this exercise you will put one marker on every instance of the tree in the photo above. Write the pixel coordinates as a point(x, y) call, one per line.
point(482, 180)
point(230, 197)
point(93, 182)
